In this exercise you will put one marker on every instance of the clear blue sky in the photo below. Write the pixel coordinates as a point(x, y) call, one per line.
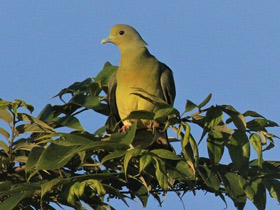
point(228, 48)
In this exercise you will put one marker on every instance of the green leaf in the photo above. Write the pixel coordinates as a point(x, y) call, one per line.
point(260, 124)
point(46, 114)
point(273, 187)
point(129, 154)
point(161, 173)
point(55, 156)
point(11, 202)
point(256, 141)
point(31, 128)
point(215, 146)
point(47, 186)
point(250, 113)
point(206, 100)
point(87, 101)
point(4, 133)
point(210, 178)
point(239, 150)
point(21, 103)
point(96, 185)
point(145, 160)
point(6, 116)
point(69, 121)
point(104, 76)
point(129, 137)
point(140, 114)
point(33, 158)
point(165, 154)
point(163, 113)
point(5, 147)
point(29, 118)
point(113, 155)
point(113, 191)
point(214, 116)
point(255, 191)
point(74, 140)
point(233, 189)
point(184, 168)
point(237, 118)
point(190, 106)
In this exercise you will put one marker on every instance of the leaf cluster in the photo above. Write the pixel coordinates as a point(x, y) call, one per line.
point(41, 165)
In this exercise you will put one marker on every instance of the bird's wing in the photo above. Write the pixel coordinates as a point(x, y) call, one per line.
point(167, 84)
point(112, 85)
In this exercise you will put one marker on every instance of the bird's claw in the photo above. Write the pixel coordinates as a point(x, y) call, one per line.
point(124, 128)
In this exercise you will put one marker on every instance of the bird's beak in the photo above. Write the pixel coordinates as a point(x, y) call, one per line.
point(107, 40)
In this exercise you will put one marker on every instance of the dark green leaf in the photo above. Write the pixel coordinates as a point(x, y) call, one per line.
point(166, 154)
point(113, 155)
point(140, 114)
point(161, 173)
point(209, 177)
point(190, 106)
point(250, 113)
point(69, 121)
point(129, 154)
point(255, 191)
point(234, 190)
point(260, 124)
point(206, 100)
point(214, 116)
point(55, 156)
point(33, 158)
point(129, 137)
point(215, 146)
point(239, 150)
point(273, 187)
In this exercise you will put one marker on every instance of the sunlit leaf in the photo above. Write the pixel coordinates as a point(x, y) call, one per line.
point(255, 140)
point(6, 116)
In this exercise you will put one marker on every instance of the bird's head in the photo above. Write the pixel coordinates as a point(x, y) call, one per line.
point(125, 37)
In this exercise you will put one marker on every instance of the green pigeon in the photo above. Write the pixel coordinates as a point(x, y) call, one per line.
point(140, 70)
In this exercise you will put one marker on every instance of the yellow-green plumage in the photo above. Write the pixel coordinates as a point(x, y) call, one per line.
point(138, 69)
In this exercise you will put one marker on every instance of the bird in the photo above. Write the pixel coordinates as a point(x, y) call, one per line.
point(138, 69)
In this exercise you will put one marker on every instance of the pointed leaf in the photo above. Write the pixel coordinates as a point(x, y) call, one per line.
point(206, 100)
point(256, 141)
point(145, 160)
point(129, 137)
point(4, 146)
point(239, 150)
point(273, 187)
point(165, 154)
point(6, 116)
point(234, 190)
point(215, 146)
point(129, 154)
point(190, 106)
point(161, 173)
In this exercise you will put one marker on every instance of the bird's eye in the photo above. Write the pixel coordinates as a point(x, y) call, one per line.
point(121, 32)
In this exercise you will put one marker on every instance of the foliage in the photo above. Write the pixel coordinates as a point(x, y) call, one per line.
point(71, 168)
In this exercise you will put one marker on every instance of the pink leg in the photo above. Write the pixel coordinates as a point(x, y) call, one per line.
point(124, 128)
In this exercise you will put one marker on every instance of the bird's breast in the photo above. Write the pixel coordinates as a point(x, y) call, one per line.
point(127, 81)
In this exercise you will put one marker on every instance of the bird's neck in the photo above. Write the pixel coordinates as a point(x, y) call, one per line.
point(132, 56)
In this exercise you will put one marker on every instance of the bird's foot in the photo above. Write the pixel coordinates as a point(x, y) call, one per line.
point(124, 128)
point(155, 125)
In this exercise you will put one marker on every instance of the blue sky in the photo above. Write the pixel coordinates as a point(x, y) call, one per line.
point(228, 48)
